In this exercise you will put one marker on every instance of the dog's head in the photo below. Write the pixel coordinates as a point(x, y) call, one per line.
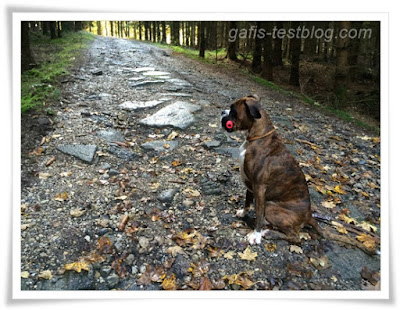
point(242, 114)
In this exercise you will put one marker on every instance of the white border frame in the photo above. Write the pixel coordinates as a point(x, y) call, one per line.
point(17, 293)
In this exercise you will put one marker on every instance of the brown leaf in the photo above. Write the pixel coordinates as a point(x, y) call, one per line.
point(61, 197)
point(367, 240)
point(50, 161)
point(124, 221)
point(205, 284)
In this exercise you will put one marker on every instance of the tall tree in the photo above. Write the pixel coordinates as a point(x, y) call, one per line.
point(342, 64)
point(277, 58)
point(232, 42)
point(202, 39)
point(268, 53)
point(257, 52)
point(99, 28)
point(295, 48)
point(52, 26)
point(164, 32)
point(26, 54)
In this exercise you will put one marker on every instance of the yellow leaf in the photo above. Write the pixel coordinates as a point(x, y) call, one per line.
point(270, 247)
point(77, 212)
point(77, 266)
point(176, 163)
point(172, 136)
point(61, 197)
point(169, 283)
point(368, 226)
point(66, 174)
point(25, 274)
point(166, 146)
point(46, 275)
point(367, 240)
point(248, 255)
point(305, 236)
point(229, 255)
point(346, 219)
point(339, 190)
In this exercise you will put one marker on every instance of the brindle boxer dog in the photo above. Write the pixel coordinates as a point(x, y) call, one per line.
point(271, 174)
point(273, 178)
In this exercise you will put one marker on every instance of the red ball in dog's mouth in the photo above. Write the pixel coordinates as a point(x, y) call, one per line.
point(229, 124)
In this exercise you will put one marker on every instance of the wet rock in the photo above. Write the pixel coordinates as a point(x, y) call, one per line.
point(155, 73)
point(160, 146)
point(146, 83)
point(143, 69)
point(212, 143)
point(167, 195)
point(231, 151)
point(121, 153)
point(85, 153)
point(112, 280)
point(138, 105)
point(96, 72)
point(178, 114)
point(111, 135)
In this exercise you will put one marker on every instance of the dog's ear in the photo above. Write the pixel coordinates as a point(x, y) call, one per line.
point(253, 106)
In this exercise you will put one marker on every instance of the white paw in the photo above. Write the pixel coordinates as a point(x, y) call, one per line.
point(255, 236)
point(240, 213)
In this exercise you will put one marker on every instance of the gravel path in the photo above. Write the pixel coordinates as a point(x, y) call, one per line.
point(131, 185)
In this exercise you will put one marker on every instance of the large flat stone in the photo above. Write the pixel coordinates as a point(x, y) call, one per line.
point(146, 83)
point(85, 153)
point(178, 114)
point(111, 135)
point(160, 146)
point(138, 105)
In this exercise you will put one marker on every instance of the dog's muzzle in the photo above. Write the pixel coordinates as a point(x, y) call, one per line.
point(226, 122)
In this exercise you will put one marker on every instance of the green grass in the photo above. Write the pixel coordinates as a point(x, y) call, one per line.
point(39, 86)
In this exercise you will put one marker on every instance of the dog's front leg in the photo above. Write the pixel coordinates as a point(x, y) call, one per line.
point(256, 235)
point(247, 203)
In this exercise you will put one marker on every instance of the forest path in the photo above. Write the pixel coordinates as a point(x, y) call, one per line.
point(142, 191)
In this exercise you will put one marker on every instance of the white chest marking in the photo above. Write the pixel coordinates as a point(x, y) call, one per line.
point(242, 153)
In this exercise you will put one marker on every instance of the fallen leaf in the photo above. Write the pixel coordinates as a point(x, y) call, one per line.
point(338, 189)
point(368, 226)
point(347, 219)
point(172, 135)
point(367, 240)
point(25, 274)
point(77, 266)
point(61, 197)
point(321, 262)
point(205, 284)
point(176, 163)
point(328, 204)
point(229, 255)
point(123, 197)
point(175, 250)
point(270, 247)
point(304, 235)
point(77, 212)
point(242, 279)
point(65, 174)
point(46, 274)
point(37, 151)
point(296, 249)
point(50, 161)
point(169, 283)
point(248, 255)
point(123, 222)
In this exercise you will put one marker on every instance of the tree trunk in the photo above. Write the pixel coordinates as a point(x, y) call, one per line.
point(99, 30)
point(59, 29)
point(277, 58)
point(78, 26)
point(45, 28)
point(26, 54)
point(342, 65)
point(52, 26)
point(164, 32)
point(295, 46)
point(232, 43)
point(202, 40)
point(257, 52)
point(267, 69)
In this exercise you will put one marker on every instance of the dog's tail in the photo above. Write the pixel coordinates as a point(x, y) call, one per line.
point(339, 238)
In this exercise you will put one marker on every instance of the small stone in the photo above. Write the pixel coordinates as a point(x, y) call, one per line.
point(113, 172)
point(96, 72)
point(188, 202)
point(167, 195)
point(112, 280)
point(87, 238)
point(105, 166)
point(105, 271)
point(129, 260)
point(144, 242)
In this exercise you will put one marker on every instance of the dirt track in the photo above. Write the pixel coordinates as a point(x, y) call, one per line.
point(162, 215)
